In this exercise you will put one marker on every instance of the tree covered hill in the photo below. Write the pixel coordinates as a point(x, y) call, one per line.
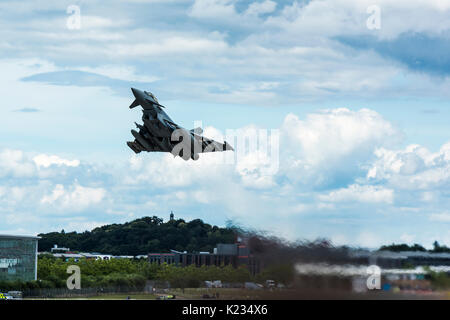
point(142, 236)
point(437, 248)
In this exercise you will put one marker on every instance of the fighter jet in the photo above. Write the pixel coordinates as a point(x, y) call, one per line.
point(160, 134)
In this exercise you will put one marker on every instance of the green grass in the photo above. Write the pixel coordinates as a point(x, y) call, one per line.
point(140, 296)
point(118, 296)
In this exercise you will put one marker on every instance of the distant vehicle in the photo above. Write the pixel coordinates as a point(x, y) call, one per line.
point(166, 297)
point(214, 284)
point(5, 296)
point(11, 295)
point(253, 286)
point(270, 284)
point(160, 134)
point(15, 295)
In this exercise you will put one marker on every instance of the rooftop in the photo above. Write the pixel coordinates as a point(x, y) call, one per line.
point(11, 236)
point(402, 254)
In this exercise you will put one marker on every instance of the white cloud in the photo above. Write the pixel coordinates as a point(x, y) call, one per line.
point(414, 167)
point(320, 144)
point(174, 45)
point(332, 141)
point(15, 162)
point(428, 196)
point(349, 17)
point(46, 161)
point(368, 194)
point(290, 47)
point(267, 53)
point(11, 196)
point(167, 171)
point(369, 239)
point(257, 156)
point(82, 225)
point(440, 217)
point(407, 238)
point(336, 132)
point(77, 198)
point(126, 73)
point(57, 193)
point(257, 8)
point(255, 168)
point(213, 9)
point(97, 22)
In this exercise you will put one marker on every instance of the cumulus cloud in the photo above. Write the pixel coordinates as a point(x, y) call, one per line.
point(174, 45)
point(335, 133)
point(414, 167)
point(351, 148)
point(98, 22)
point(257, 156)
point(167, 171)
point(22, 165)
point(349, 17)
point(46, 161)
point(257, 170)
point(336, 140)
point(368, 194)
point(77, 198)
point(257, 8)
point(332, 142)
point(284, 44)
point(15, 163)
point(213, 9)
point(12, 195)
point(255, 53)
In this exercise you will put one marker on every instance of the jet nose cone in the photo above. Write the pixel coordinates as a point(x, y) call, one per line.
point(135, 92)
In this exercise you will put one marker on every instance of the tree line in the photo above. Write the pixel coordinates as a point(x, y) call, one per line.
point(437, 248)
point(142, 236)
point(134, 273)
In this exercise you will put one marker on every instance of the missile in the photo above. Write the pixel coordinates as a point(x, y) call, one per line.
point(135, 146)
point(141, 140)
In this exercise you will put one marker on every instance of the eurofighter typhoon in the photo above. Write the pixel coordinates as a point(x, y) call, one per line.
point(160, 134)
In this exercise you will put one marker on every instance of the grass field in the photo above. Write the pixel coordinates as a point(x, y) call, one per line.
point(285, 294)
point(118, 296)
point(141, 296)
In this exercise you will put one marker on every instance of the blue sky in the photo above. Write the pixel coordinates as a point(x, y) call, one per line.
point(364, 153)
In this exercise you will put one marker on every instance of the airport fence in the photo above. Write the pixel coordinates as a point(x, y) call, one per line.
point(83, 292)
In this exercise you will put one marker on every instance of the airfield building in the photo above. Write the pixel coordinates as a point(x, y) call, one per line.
point(389, 259)
point(18, 258)
point(236, 254)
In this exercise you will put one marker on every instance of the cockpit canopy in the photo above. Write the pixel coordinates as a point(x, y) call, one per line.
point(151, 95)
